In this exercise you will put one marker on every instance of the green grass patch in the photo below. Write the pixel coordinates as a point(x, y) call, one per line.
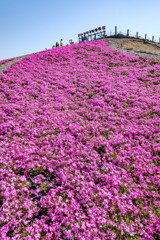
point(35, 172)
point(105, 134)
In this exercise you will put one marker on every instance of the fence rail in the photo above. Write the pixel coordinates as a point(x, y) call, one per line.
point(100, 33)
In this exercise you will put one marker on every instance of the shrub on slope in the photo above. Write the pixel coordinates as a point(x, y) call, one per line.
point(79, 139)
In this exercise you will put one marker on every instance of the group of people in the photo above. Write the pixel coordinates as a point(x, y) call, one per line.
point(60, 44)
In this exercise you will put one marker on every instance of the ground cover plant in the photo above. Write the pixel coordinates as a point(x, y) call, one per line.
point(80, 145)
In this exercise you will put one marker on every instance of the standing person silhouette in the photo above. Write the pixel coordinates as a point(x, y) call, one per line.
point(57, 44)
point(61, 42)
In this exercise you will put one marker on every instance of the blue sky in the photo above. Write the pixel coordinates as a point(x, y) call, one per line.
point(29, 26)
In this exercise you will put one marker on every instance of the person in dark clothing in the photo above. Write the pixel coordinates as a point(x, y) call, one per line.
point(57, 44)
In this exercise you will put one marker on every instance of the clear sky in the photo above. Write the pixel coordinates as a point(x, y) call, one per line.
point(28, 26)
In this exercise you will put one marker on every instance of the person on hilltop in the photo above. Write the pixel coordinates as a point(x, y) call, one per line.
point(57, 44)
point(61, 42)
point(71, 42)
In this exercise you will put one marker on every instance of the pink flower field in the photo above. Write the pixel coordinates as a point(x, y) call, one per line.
point(80, 145)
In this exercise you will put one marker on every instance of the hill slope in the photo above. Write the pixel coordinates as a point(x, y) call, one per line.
point(79, 139)
point(133, 46)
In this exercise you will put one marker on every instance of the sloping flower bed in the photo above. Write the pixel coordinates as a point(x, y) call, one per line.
point(80, 145)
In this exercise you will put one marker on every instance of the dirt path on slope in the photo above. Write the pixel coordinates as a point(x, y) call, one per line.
point(8, 63)
point(138, 47)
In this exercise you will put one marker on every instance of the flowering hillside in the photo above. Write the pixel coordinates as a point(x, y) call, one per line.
point(80, 145)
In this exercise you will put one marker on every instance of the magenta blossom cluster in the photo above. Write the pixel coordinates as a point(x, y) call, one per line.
point(80, 145)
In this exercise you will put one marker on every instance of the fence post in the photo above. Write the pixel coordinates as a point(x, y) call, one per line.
point(127, 32)
point(136, 34)
point(159, 39)
point(152, 38)
point(115, 30)
point(145, 36)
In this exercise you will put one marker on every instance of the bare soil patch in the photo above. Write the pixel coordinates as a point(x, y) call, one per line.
point(140, 46)
point(134, 46)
